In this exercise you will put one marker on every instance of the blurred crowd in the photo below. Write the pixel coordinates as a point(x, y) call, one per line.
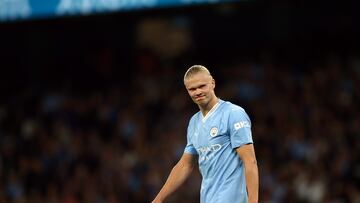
point(118, 143)
point(94, 110)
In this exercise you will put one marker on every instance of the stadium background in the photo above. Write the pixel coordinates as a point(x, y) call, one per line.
point(93, 108)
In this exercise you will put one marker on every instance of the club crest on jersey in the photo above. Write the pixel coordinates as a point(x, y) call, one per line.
point(213, 131)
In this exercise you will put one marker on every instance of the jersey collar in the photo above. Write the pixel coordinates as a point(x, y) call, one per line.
point(212, 110)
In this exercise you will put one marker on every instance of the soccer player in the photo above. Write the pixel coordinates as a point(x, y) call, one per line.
point(219, 138)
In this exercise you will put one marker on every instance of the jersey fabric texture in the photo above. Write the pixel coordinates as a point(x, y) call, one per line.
point(213, 139)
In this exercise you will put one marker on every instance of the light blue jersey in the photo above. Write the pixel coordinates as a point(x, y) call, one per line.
point(214, 139)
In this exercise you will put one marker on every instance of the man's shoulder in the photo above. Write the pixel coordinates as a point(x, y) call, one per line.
point(229, 106)
point(194, 116)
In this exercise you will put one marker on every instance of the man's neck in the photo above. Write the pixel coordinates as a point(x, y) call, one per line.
point(205, 109)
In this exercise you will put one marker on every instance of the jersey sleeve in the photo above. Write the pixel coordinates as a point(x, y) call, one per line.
point(239, 127)
point(189, 148)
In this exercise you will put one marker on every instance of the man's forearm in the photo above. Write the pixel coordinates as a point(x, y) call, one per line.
point(252, 181)
point(176, 178)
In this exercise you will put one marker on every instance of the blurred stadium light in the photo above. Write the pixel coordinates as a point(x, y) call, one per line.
point(29, 9)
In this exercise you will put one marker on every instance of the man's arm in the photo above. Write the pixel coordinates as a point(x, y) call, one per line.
point(178, 175)
point(247, 155)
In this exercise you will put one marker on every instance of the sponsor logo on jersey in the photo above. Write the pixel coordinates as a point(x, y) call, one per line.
point(208, 152)
point(241, 124)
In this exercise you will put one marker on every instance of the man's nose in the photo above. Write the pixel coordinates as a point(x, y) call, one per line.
point(197, 92)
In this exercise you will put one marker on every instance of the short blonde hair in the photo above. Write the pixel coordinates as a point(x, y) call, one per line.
point(195, 69)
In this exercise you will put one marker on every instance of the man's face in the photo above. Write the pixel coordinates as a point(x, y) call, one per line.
point(200, 87)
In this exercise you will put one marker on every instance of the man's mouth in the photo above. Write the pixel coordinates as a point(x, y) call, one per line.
point(199, 98)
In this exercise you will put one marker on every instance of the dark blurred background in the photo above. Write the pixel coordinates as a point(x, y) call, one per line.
point(93, 109)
